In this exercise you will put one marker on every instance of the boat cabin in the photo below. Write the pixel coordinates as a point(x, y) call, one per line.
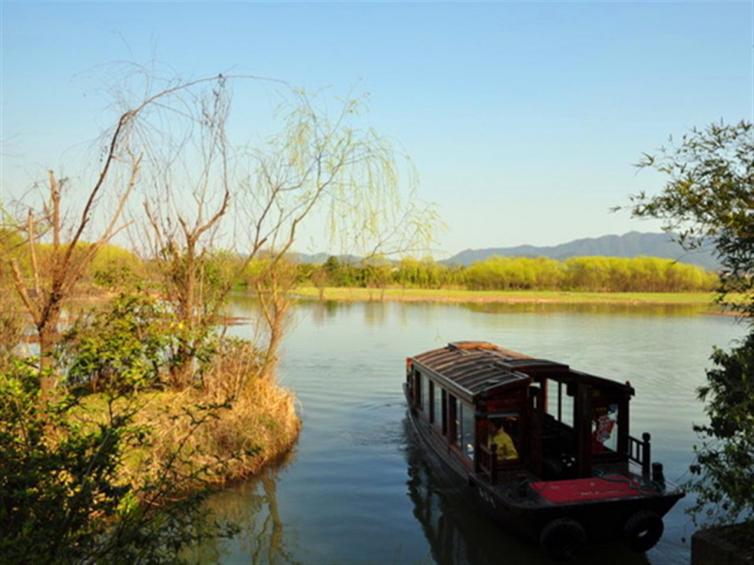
point(498, 410)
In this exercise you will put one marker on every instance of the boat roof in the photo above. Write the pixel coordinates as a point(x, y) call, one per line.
point(474, 368)
point(471, 368)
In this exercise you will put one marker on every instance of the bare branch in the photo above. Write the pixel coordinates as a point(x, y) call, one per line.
point(33, 251)
point(18, 282)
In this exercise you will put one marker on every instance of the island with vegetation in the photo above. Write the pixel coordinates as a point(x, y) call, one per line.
point(124, 397)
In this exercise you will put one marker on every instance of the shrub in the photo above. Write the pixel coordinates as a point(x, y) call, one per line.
point(62, 492)
point(120, 348)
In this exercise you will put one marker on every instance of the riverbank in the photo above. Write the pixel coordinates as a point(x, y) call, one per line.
point(237, 440)
point(504, 297)
point(215, 440)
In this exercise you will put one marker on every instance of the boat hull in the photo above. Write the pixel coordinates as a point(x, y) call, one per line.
point(602, 520)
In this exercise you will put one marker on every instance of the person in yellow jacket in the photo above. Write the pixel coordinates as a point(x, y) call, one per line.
point(506, 449)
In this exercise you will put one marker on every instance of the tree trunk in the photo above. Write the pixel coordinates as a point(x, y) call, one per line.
point(47, 334)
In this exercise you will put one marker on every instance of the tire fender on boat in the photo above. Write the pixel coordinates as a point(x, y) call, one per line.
point(643, 530)
point(562, 537)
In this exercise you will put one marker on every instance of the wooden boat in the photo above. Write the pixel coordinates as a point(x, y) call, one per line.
point(544, 449)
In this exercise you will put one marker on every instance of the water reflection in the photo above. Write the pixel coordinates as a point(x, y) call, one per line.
point(633, 310)
point(458, 533)
point(253, 507)
point(375, 311)
point(323, 311)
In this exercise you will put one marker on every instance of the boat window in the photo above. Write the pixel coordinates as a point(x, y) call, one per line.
point(467, 419)
point(455, 426)
point(424, 392)
point(437, 401)
point(605, 428)
point(559, 404)
point(504, 434)
point(568, 408)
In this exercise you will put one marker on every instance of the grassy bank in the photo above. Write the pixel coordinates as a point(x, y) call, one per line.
point(217, 444)
point(235, 442)
point(510, 297)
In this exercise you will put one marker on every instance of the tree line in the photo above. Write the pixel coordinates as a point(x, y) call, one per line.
point(601, 274)
point(114, 267)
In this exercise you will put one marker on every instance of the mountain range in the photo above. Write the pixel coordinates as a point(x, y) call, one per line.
point(631, 244)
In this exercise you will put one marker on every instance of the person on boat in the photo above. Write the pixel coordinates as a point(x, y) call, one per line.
point(501, 439)
point(604, 422)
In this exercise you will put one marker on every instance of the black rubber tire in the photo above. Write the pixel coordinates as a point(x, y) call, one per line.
point(562, 538)
point(643, 530)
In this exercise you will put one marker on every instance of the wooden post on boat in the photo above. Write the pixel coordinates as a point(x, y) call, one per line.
point(536, 417)
point(478, 419)
point(646, 455)
point(493, 464)
point(583, 428)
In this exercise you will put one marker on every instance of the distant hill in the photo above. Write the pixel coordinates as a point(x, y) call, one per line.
point(319, 258)
point(632, 244)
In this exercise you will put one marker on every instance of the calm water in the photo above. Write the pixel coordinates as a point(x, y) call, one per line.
point(357, 489)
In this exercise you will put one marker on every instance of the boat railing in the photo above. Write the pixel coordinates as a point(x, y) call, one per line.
point(487, 465)
point(640, 452)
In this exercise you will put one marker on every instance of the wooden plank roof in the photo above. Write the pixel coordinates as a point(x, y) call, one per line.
point(470, 368)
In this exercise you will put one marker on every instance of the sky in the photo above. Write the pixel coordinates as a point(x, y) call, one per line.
point(523, 119)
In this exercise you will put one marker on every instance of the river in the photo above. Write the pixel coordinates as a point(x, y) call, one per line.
point(357, 489)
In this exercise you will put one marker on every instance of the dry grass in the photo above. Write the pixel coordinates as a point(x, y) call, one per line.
point(222, 431)
point(219, 441)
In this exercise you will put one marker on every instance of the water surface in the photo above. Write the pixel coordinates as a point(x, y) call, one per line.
point(357, 488)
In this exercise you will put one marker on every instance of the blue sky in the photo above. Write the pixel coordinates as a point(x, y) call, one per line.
point(523, 119)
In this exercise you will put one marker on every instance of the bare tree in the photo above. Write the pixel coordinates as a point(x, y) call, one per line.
point(202, 187)
point(65, 262)
point(190, 173)
point(47, 283)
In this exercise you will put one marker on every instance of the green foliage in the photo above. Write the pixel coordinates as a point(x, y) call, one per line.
point(638, 274)
point(725, 461)
point(62, 498)
point(708, 199)
point(426, 273)
point(119, 348)
point(601, 274)
point(503, 273)
point(10, 240)
point(336, 273)
point(114, 267)
point(132, 344)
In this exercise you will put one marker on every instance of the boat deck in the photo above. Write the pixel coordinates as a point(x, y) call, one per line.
point(609, 483)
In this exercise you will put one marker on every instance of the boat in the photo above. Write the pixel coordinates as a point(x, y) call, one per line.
point(543, 449)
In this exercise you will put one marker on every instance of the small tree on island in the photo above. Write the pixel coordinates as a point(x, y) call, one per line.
point(708, 199)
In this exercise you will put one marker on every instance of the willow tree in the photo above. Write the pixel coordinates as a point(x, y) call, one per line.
point(329, 167)
point(208, 191)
